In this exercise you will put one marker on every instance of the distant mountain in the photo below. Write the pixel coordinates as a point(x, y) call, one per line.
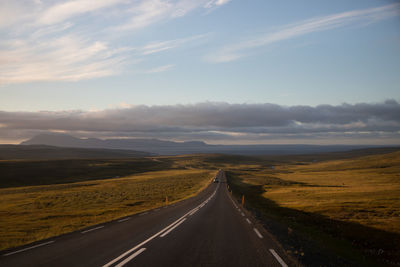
point(40, 152)
point(148, 145)
point(63, 140)
point(178, 148)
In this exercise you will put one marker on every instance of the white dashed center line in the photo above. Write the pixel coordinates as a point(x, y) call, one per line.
point(25, 249)
point(93, 229)
point(161, 233)
point(167, 232)
point(193, 212)
point(170, 228)
point(130, 257)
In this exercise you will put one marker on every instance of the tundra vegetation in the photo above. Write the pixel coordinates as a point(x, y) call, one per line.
point(336, 211)
point(33, 212)
point(332, 209)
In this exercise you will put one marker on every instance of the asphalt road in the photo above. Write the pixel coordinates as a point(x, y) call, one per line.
point(210, 229)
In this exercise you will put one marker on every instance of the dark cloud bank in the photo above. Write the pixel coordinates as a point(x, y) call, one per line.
point(219, 122)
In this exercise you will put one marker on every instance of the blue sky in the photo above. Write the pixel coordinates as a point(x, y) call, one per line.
point(96, 56)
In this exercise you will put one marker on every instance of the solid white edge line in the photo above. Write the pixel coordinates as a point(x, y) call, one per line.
point(249, 222)
point(93, 229)
point(242, 214)
point(172, 228)
point(150, 238)
point(144, 213)
point(123, 220)
point(130, 257)
point(257, 232)
point(24, 249)
point(279, 259)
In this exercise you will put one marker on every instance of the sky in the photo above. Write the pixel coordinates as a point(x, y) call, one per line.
point(220, 71)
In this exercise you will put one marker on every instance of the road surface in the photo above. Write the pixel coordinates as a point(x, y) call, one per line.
point(210, 229)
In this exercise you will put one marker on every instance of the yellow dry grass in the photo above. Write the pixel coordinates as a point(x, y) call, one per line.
point(36, 212)
point(365, 190)
point(347, 208)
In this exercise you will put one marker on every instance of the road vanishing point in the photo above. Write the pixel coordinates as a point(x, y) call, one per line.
point(210, 229)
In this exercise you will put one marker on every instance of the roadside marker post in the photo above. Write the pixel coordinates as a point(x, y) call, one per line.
point(166, 201)
point(242, 200)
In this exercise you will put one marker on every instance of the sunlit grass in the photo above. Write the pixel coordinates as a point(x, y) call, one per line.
point(335, 201)
point(366, 191)
point(37, 212)
point(353, 202)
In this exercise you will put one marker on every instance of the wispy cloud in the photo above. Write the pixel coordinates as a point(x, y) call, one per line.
point(156, 47)
point(72, 58)
point(148, 12)
point(160, 69)
point(241, 49)
point(67, 58)
point(49, 42)
point(216, 3)
point(65, 10)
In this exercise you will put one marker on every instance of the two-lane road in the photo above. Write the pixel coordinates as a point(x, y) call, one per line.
point(210, 229)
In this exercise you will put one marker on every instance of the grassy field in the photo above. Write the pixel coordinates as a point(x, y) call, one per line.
point(336, 212)
point(329, 209)
point(365, 191)
point(31, 213)
point(41, 172)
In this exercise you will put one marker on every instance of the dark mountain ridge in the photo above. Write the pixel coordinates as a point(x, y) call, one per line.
point(162, 147)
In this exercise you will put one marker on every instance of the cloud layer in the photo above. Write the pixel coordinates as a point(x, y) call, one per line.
point(219, 122)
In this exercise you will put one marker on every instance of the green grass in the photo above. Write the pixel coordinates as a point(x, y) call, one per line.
point(36, 212)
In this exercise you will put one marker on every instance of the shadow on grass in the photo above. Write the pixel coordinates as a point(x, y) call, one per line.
point(317, 240)
point(45, 172)
point(277, 181)
point(137, 203)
